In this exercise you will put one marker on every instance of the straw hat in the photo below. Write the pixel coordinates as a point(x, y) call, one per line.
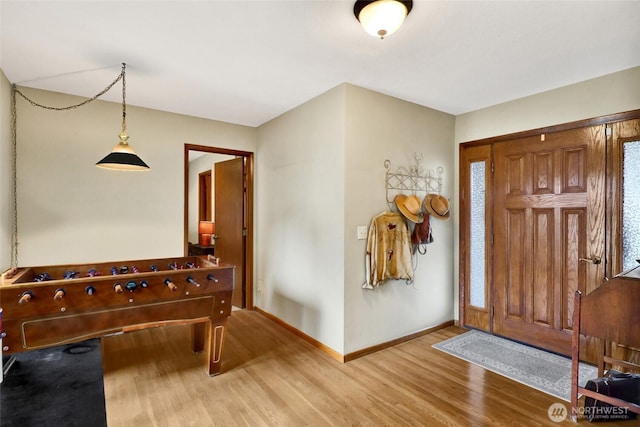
point(437, 206)
point(409, 206)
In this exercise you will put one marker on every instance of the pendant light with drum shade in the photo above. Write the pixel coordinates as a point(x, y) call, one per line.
point(381, 18)
point(122, 157)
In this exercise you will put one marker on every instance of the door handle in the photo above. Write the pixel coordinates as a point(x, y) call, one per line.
point(593, 260)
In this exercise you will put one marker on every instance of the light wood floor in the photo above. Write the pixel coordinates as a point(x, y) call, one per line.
point(271, 377)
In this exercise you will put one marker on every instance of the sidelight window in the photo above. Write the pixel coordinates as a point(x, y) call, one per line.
point(630, 204)
point(478, 234)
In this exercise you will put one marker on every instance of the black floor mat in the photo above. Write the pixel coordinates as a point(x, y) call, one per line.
point(58, 386)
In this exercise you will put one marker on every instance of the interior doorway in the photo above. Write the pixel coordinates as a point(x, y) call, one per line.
point(241, 218)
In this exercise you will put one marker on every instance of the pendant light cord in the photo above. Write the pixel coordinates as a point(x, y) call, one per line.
point(14, 142)
point(14, 163)
point(86, 101)
point(124, 104)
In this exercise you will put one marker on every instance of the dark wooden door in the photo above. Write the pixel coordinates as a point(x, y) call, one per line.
point(204, 196)
point(549, 232)
point(230, 222)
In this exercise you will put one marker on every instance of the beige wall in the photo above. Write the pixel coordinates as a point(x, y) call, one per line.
point(381, 128)
point(6, 175)
point(320, 176)
point(300, 186)
point(71, 211)
point(610, 94)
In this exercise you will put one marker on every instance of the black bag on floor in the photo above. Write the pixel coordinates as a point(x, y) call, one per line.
point(624, 386)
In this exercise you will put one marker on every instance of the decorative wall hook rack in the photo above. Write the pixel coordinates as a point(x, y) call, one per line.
point(413, 179)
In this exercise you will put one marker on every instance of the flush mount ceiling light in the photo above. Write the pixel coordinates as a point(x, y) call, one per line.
point(122, 157)
point(381, 18)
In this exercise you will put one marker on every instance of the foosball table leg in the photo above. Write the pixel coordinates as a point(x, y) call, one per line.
point(198, 331)
point(214, 353)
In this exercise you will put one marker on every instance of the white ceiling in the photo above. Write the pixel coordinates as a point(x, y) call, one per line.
point(247, 62)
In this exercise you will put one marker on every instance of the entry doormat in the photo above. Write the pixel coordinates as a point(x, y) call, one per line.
point(59, 386)
point(544, 371)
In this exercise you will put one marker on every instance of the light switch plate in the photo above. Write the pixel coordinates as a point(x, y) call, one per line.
point(362, 232)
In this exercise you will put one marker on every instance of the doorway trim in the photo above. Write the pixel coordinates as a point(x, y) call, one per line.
point(248, 156)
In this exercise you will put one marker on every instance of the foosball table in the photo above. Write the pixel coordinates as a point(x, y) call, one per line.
point(52, 305)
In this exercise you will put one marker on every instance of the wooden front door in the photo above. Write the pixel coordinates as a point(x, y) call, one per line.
point(548, 231)
point(230, 222)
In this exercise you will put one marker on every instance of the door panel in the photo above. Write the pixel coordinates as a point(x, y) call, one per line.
point(475, 262)
point(542, 288)
point(573, 270)
point(543, 172)
point(548, 215)
point(229, 198)
point(515, 269)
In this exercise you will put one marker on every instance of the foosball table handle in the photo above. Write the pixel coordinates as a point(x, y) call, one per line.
point(59, 294)
point(25, 297)
point(171, 285)
point(9, 273)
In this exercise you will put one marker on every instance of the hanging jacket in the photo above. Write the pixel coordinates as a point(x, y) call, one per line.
point(388, 253)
